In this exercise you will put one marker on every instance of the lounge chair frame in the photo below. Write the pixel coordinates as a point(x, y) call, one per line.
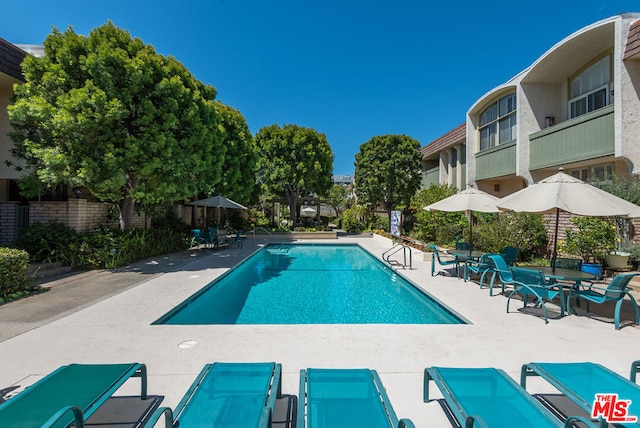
point(304, 409)
point(273, 392)
point(99, 381)
point(570, 386)
point(467, 420)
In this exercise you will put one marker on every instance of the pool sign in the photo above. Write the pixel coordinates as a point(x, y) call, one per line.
point(610, 408)
point(396, 221)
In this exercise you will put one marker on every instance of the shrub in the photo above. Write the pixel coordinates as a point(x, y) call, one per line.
point(523, 230)
point(106, 247)
point(353, 219)
point(14, 282)
point(50, 242)
point(591, 240)
point(377, 222)
point(436, 226)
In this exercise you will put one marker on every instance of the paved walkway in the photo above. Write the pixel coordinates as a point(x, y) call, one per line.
point(74, 291)
point(107, 316)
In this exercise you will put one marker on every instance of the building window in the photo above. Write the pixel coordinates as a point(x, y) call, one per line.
point(498, 123)
point(597, 172)
point(589, 91)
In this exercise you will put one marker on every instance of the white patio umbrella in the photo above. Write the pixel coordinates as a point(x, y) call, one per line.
point(311, 211)
point(217, 202)
point(564, 192)
point(470, 199)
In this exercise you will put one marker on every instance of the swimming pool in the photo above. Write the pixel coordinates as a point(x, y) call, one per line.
point(310, 284)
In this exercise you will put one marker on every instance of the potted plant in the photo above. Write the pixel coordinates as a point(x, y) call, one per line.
point(634, 254)
point(619, 258)
point(591, 239)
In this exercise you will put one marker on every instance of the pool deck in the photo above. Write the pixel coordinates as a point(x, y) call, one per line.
point(114, 325)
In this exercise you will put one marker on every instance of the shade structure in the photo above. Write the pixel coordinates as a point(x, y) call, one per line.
point(311, 211)
point(564, 192)
point(217, 202)
point(470, 199)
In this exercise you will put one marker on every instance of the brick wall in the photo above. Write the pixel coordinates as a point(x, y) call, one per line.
point(80, 215)
point(7, 222)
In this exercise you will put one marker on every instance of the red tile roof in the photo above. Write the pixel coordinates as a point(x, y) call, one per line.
point(456, 135)
point(633, 41)
point(11, 57)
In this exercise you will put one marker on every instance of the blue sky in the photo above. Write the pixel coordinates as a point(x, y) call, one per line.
point(349, 69)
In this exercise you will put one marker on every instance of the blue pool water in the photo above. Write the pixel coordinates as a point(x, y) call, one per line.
point(310, 284)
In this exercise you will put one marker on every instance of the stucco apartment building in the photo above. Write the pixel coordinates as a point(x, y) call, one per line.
point(576, 107)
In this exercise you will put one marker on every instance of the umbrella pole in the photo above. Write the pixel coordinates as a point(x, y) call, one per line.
point(554, 256)
point(470, 232)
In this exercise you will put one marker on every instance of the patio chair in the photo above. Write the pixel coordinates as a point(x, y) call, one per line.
point(488, 397)
point(69, 394)
point(480, 267)
point(615, 291)
point(463, 245)
point(199, 238)
point(580, 382)
point(238, 239)
point(443, 261)
point(214, 238)
point(568, 263)
point(527, 282)
point(502, 271)
point(227, 395)
point(510, 254)
point(331, 398)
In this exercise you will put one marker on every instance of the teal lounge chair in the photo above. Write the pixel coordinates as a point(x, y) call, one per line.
point(510, 255)
point(69, 394)
point(527, 282)
point(227, 395)
point(442, 261)
point(332, 398)
point(615, 291)
point(502, 271)
point(488, 397)
point(480, 267)
point(580, 382)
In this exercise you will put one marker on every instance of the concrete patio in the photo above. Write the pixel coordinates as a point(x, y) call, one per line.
point(115, 326)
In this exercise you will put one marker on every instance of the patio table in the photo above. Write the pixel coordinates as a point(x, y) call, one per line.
point(564, 274)
point(464, 255)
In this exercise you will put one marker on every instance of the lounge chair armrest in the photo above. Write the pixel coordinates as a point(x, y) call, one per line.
point(569, 423)
point(160, 411)
point(425, 390)
point(473, 421)
point(77, 416)
point(635, 368)
point(405, 423)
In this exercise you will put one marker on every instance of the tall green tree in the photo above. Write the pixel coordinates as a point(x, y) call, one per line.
point(338, 198)
point(106, 112)
point(294, 160)
point(388, 171)
point(238, 176)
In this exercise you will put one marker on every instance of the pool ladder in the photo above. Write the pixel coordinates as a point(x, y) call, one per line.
point(386, 256)
point(280, 246)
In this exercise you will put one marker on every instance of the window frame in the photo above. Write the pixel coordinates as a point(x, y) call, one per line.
point(491, 119)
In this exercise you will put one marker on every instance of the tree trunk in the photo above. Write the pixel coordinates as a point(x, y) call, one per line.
point(127, 206)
